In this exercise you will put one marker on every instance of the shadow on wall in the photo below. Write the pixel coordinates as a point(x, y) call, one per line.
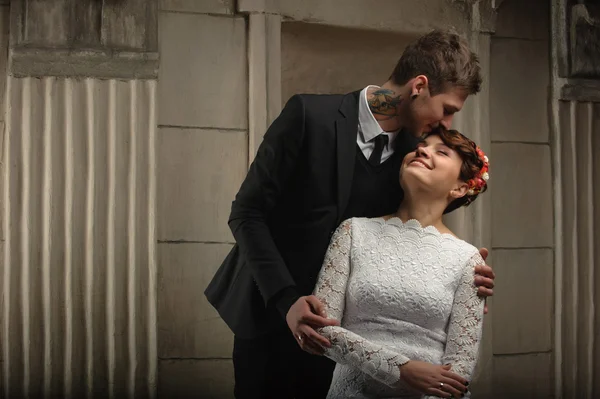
point(322, 59)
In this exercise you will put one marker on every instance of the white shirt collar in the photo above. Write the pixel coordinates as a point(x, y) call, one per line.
point(368, 124)
point(369, 127)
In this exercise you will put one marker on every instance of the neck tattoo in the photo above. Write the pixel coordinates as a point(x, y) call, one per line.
point(384, 102)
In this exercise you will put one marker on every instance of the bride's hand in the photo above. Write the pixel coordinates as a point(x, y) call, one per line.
point(433, 379)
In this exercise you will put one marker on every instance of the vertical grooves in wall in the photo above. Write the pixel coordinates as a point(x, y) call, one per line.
point(586, 244)
point(24, 229)
point(131, 238)
point(89, 238)
point(595, 220)
point(47, 237)
point(79, 272)
point(568, 148)
point(68, 237)
point(580, 127)
point(151, 324)
point(5, 337)
point(110, 237)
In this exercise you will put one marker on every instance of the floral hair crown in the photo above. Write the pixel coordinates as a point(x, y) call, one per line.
point(477, 183)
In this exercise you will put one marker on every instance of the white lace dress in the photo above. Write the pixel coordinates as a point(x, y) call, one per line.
point(401, 292)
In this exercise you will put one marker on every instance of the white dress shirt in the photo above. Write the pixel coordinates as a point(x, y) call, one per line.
point(368, 129)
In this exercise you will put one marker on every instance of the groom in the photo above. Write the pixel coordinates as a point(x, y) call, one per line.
point(326, 158)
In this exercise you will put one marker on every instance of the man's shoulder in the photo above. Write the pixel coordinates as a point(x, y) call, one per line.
point(320, 97)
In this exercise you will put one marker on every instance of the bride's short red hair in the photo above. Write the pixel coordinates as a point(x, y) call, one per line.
point(471, 165)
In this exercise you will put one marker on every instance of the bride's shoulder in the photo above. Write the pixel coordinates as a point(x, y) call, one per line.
point(361, 224)
point(464, 247)
point(358, 221)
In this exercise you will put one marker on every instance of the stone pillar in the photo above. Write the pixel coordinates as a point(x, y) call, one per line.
point(79, 268)
point(473, 224)
point(264, 67)
point(521, 188)
point(202, 159)
point(575, 106)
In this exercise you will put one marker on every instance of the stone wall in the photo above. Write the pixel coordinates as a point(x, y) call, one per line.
point(576, 137)
point(78, 268)
point(225, 69)
point(218, 93)
point(323, 59)
point(522, 202)
point(4, 33)
point(202, 153)
point(224, 72)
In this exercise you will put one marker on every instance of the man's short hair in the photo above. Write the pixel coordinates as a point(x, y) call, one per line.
point(445, 58)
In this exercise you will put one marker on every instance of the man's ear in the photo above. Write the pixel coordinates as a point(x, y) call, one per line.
point(419, 85)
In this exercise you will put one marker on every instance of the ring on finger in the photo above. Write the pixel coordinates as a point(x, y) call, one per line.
point(441, 385)
point(299, 337)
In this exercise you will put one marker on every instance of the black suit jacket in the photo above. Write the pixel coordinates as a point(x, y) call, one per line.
point(287, 208)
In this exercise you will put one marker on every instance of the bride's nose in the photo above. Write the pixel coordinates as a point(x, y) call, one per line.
point(423, 152)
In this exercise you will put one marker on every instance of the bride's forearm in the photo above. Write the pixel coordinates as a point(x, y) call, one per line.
point(378, 361)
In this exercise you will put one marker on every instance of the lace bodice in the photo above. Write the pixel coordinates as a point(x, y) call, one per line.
point(401, 292)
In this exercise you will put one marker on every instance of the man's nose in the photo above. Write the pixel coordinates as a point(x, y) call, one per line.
point(447, 122)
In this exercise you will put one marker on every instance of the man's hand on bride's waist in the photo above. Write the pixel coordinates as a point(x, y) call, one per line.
point(306, 315)
point(484, 278)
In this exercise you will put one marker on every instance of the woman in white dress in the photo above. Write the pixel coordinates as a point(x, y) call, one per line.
point(401, 286)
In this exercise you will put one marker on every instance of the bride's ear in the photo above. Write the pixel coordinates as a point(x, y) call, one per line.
point(459, 191)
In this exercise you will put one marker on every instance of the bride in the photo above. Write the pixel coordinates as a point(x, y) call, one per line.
point(401, 286)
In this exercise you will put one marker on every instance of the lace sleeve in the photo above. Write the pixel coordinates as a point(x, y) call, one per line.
point(466, 324)
point(347, 347)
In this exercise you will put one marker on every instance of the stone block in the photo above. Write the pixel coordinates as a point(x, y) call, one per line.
point(188, 326)
point(585, 41)
point(86, 24)
point(2, 299)
point(519, 84)
point(324, 59)
point(524, 19)
point(131, 25)
point(4, 34)
point(199, 6)
point(524, 301)
point(199, 173)
point(522, 196)
point(413, 16)
point(2, 169)
point(203, 76)
point(524, 376)
point(201, 379)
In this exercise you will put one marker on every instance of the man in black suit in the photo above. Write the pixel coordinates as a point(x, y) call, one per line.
point(326, 158)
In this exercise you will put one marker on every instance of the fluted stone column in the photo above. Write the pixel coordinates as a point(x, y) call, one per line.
point(575, 108)
point(79, 268)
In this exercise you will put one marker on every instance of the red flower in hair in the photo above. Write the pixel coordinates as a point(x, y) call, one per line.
point(477, 183)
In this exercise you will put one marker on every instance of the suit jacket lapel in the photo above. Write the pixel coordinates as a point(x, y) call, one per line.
point(346, 127)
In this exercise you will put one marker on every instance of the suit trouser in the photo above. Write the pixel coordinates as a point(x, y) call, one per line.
point(274, 366)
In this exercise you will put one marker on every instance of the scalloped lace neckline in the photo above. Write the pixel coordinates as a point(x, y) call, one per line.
point(416, 225)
